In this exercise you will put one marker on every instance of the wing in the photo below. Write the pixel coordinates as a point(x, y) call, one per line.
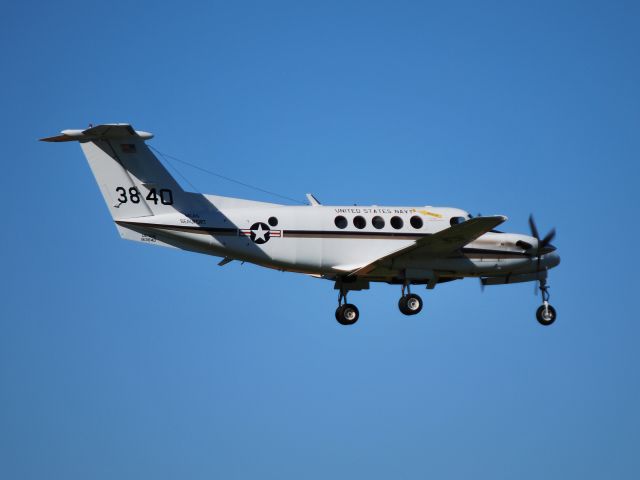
point(439, 244)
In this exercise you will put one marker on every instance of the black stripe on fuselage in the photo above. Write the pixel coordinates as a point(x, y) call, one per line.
point(182, 228)
point(474, 252)
point(285, 233)
point(352, 234)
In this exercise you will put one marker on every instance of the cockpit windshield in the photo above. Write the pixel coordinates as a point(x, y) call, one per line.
point(458, 220)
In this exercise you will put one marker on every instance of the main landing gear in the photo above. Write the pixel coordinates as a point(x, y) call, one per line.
point(545, 314)
point(409, 304)
point(346, 313)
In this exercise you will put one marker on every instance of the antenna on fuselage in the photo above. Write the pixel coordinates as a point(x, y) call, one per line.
point(313, 201)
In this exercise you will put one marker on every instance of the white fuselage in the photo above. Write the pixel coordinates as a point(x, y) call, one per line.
point(309, 239)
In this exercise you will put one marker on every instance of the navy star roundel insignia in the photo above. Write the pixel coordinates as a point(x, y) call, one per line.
point(260, 233)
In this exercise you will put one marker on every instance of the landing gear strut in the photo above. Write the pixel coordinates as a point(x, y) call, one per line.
point(409, 304)
point(545, 314)
point(346, 313)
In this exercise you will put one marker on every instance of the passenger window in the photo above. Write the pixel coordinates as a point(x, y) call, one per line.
point(377, 222)
point(341, 222)
point(359, 222)
point(416, 222)
point(397, 223)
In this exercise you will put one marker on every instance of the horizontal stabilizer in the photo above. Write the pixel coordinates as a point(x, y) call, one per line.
point(112, 130)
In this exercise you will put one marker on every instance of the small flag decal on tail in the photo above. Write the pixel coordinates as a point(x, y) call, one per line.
point(128, 148)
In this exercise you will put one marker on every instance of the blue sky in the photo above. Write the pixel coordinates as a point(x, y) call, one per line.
point(124, 361)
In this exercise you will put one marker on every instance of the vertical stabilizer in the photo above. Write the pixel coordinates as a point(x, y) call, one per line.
point(133, 182)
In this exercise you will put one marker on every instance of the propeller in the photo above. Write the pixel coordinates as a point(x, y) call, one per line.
point(544, 244)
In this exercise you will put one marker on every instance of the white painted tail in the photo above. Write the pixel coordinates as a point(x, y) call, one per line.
point(132, 180)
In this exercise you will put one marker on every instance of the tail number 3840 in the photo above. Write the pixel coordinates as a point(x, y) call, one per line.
point(164, 195)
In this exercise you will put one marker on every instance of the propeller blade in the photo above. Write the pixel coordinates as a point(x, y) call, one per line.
point(547, 239)
point(534, 233)
point(532, 226)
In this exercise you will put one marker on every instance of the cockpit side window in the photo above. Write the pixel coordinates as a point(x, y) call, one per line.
point(457, 220)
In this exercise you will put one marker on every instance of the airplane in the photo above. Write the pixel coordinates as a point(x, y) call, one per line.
point(351, 246)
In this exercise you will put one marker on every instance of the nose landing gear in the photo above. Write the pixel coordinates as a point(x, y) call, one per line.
point(545, 314)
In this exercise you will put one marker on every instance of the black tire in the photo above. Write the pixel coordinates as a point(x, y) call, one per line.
point(548, 319)
point(347, 314)
point(402, 305)
point(410, 304)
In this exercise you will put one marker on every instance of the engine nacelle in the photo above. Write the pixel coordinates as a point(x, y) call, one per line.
point(518, 278)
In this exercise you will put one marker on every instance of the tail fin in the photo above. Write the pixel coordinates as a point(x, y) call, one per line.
point(132, 180)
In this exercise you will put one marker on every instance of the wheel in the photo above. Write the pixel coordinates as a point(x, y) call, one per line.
point(546, 317)
point(410, 304)
point(347, 314)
